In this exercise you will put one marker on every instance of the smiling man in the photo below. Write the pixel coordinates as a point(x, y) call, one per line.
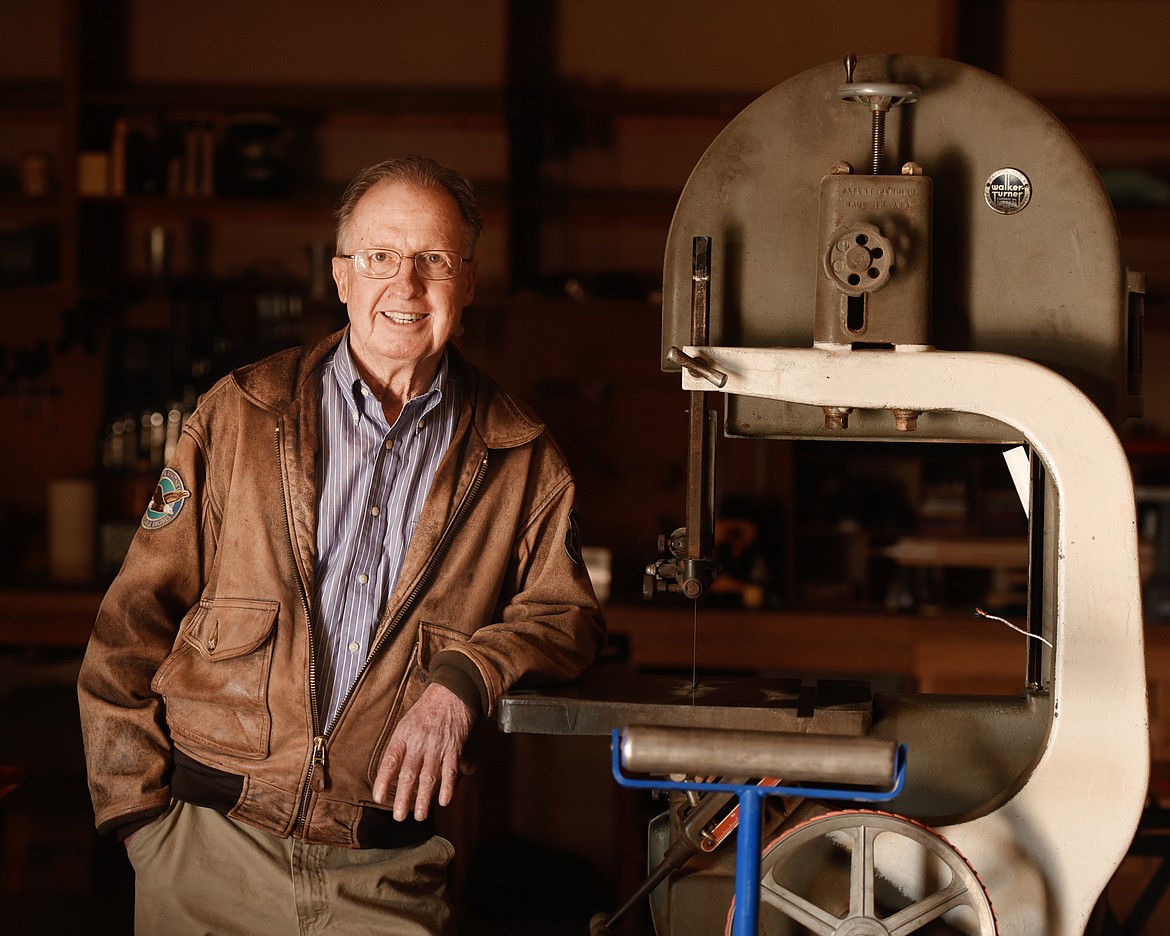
point(375, 543)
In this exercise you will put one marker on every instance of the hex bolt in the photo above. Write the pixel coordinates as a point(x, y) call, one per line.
point(837, 417)
point(906, 420)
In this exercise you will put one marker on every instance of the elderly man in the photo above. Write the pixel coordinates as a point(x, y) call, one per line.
point(354, 552)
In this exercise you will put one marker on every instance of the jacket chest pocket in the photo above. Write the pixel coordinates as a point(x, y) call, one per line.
point(215, 683)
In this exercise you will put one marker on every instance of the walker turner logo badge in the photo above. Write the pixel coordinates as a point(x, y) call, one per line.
point(1008, 191)
point(167, 501)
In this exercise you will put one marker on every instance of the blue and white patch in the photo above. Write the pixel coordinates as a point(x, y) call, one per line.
point(170, 494)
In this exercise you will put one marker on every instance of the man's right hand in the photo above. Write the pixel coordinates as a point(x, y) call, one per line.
point(425, 747)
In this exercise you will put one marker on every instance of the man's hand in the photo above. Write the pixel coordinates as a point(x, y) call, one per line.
point(424, 748)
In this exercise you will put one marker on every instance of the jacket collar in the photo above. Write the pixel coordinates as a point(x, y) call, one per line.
point(500, 421)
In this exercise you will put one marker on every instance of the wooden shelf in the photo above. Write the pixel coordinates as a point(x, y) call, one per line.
point(314, 206)
point(982, 553)
point(645, 205)
point(49, 617)
point(29, 95)
point(300, 99)
point(165, 207)
point(1144, 222)
point(1136, 117)
point(44, 292)
point(633, 102)
point(951, 651)
point(1147, 446)
point(18, 210)
point(666, 636)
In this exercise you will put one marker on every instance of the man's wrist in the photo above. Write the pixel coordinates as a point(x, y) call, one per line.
point(467, 686)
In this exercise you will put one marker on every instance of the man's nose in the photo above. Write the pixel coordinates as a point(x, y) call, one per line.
point(405, 278)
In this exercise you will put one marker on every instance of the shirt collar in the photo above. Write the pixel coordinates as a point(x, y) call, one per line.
point(346, 374)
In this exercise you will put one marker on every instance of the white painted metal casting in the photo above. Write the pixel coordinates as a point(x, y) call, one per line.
point(1048, 851)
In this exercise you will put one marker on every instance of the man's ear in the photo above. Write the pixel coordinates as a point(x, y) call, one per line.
point(341, 270)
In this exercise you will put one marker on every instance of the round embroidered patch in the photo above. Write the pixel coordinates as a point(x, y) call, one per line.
point(167, 501)
point(573, 539)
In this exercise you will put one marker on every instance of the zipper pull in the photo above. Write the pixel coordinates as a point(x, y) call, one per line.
point(320, 781)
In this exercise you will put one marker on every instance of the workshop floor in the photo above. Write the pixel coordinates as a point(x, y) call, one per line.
point(57, 876)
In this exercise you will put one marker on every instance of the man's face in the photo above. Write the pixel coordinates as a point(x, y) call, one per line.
point(403, 321)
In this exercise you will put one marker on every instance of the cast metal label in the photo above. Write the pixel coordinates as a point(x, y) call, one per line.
point(1008, 191)
point(860, 194)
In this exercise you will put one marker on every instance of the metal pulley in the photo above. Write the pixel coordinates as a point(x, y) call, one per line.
point(853, 873)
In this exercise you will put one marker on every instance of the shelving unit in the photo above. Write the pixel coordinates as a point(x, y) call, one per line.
point(579, 179)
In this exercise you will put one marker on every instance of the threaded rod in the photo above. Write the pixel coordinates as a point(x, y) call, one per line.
point(878, 163)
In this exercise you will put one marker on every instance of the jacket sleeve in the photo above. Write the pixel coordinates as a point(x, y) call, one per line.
point(549, 627)
point(127, 747)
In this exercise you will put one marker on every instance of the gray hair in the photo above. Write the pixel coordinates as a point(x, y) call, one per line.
point(420, 171)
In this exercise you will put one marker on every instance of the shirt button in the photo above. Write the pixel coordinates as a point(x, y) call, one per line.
point(365, 391)
point(389, 444)
point(420, 423)
point(353, 647)
point(363, 578)
point(375, 511)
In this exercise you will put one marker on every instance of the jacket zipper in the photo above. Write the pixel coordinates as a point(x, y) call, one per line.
point(315, 778)
point(318, 739)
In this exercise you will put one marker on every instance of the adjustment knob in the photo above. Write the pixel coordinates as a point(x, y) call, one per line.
point(879, 97)
point(859, 259)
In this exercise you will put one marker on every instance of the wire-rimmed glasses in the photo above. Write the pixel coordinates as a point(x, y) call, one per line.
point(384, 262)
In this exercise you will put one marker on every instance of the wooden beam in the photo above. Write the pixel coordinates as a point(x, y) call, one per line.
point(531, 77)
point(973, 32)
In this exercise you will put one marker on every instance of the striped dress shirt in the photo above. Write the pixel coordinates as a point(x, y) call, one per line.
point(373, 480)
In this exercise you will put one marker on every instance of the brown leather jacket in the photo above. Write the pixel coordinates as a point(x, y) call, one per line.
point(199, 679)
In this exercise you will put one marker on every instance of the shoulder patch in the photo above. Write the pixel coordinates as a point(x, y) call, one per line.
point(573, 539)
point(170, 494)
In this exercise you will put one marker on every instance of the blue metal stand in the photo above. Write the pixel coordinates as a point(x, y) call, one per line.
point(751, 796)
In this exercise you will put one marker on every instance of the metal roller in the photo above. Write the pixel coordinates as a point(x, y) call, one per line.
point(697, 751)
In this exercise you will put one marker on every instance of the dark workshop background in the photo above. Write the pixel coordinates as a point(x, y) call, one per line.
point(167, 177)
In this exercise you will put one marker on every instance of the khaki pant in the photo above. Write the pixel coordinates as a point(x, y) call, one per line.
point(198, 873)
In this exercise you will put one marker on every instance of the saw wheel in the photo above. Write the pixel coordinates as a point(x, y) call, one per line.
point(866, 873)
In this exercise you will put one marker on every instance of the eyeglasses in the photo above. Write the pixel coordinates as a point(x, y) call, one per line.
point(383, 263)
